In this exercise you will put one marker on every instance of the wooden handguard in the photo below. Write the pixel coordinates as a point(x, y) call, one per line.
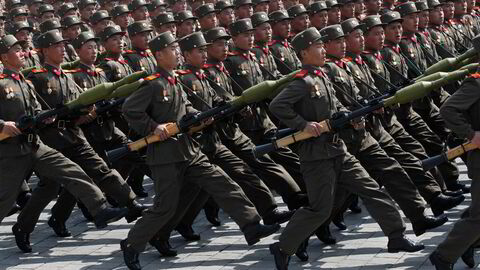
point(172, 129)
point(460, 150)
point(301, 135)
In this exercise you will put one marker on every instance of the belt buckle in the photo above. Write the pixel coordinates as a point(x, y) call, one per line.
point(30, 138)
point(61, 124)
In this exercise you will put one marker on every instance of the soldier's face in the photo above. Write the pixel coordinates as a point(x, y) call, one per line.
point(470, 4)
point(410, 23)
point(140, 14)
point(244, 40)
point(33, 8)
point(263, 33)
point(336, 47)
point(436, 16)
point(319, 19)
point(72, 32)
point(300, 23)
point(314, 55)
point(98, 27)
point(47, 16)
point(122, 20)
point(394, 32)
point(460, 7)
point(348, 10)
point(226, 16)
point(185, 28)
point(334, 15)
point(375, 38)
point(25, 35)
point(423, 19)
point(448, 10)
point(196, 57)
point(14, 57)
point(141, 40)
point(290, 3)
point(373, 6)
point(180, 5)
point(20, 18)
point(359, 7)
point(172, 27)
point(167, 57)
point(355, 41)
point(275, 5)
point(244, 11)
point(208, 21)
point(218, 50)
point(88, 52)
point(2, 28)
point(262, 7)
point(114, 44)
point(54, 54)
point(282, 28)
point(87, 12)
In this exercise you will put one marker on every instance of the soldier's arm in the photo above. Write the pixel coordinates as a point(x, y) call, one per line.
point(108, 69)
point(282, 106)
point(135, 109)
point(453, 111)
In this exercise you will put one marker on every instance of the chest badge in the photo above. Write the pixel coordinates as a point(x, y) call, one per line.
point(9, 92)
point(165, 95)
point(49, 88)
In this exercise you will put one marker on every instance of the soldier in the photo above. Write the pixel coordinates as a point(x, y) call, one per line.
point(18, 14)
point(301, 105)
point(426, 43)
point(444, 44)
point(86, 9)
point(25, 147)
point(334, 12)
point(121, 17)
point(140, 58)
point(388, 6)
point(372, 7)
point(23, 32)
point(165, 22)
point(99, 20)
point(263, 36)
point(359, 10)
point(149, 110)
point(156, 8)
point(225, 13)
point(462, 26)
point(107, 5)
point(68, 9)
point(55, 88)
point(2, 24)
point(71, 28)
point(177, 5)
point(460, 112)
point(46, 12)
point(206, 17)
point(318, 12)
point(300, 20)
point(347, 9)
point(261, 6)
point(243, 9)
point(139, 10)
point(185, 23)
point(449, 23)
point(286, 59)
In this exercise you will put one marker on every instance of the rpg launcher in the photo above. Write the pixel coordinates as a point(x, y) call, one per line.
point(90, 96)
point(66, 65)
point(402, 96)
point(451, 154)
point(256, 93)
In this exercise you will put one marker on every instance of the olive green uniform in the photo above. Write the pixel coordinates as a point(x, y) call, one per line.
point(325, 162)
point(284, 55)
point(141, 60)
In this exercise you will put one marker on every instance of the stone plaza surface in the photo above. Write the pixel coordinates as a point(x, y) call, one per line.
point(361, 246)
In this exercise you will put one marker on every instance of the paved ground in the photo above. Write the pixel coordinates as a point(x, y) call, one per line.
point(361, 246)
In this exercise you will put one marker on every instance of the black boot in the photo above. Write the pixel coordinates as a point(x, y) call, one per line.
point(339, 222)
point(58, 227)
point(22, 239)
point(468, 257)
point(163, 247)
point(457, 186)
point(281, 259)
point(427, 223)
point(323, 234)
point(354, 207)
point(135, 181)
point(211, 210)
point(443, 202)
point(453, 193)
point(439, 263)
point(256, 231)
point(14, 210)
point(277, 216)
point(130, 256)
point(135, 210)
point(109, 215)
point(403, 244)
point(187, 232)
point(85, 212)
point(302, 251)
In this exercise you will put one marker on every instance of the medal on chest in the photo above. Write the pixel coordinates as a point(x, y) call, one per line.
point(49, 88)
point(9, 93)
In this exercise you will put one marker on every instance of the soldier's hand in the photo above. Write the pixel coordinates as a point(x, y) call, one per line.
point(10, 128)
point(162, 132)
point(313, 128)
point(476, 138)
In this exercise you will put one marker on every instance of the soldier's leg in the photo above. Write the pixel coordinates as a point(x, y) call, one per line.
point(107, 180)
point(13, 171)
point(387, 172)
point(239, 172)
point(195, 208)
point(434, 121)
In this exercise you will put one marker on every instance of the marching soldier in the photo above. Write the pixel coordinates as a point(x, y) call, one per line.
point(286, 59)
point(23, 32)
point(372, 7)
point(225, 13)
point(206, 17)
point(334, 12)
point(140, 58)
point(121, 17)
point(86, 9)
point(443, 41)
point(165, 22)
point(243, 9)
point(261, 6)
point(325, 162)
point(68, 9)
point(185, 23)
point(300, 20)
point(46, 12)
point(318, 12)
point(149, 110)
point(348, 9)
point(263, 36)
point(71, 28)
point(139, 10)
point(99, 20)
point(157, 7)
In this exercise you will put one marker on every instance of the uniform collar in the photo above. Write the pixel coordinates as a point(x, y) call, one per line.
point(88, 69)
point(167, 75)
point(54, 70)
point(14, 74)
point(141, 52)
point(336, 60)
point(197, 71)
point(315, 70)
point(355, 57)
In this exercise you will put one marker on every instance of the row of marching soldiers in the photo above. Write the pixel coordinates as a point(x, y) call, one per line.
point(345, 59)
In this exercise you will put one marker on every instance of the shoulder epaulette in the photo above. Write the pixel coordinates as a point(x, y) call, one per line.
point(302, 73)
point(208, 65)
point(129, 51)
point(153, 77)
point(347, 59)
point(474, 75)
point(41, 70)
point(183, 71)
point(3, 76)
